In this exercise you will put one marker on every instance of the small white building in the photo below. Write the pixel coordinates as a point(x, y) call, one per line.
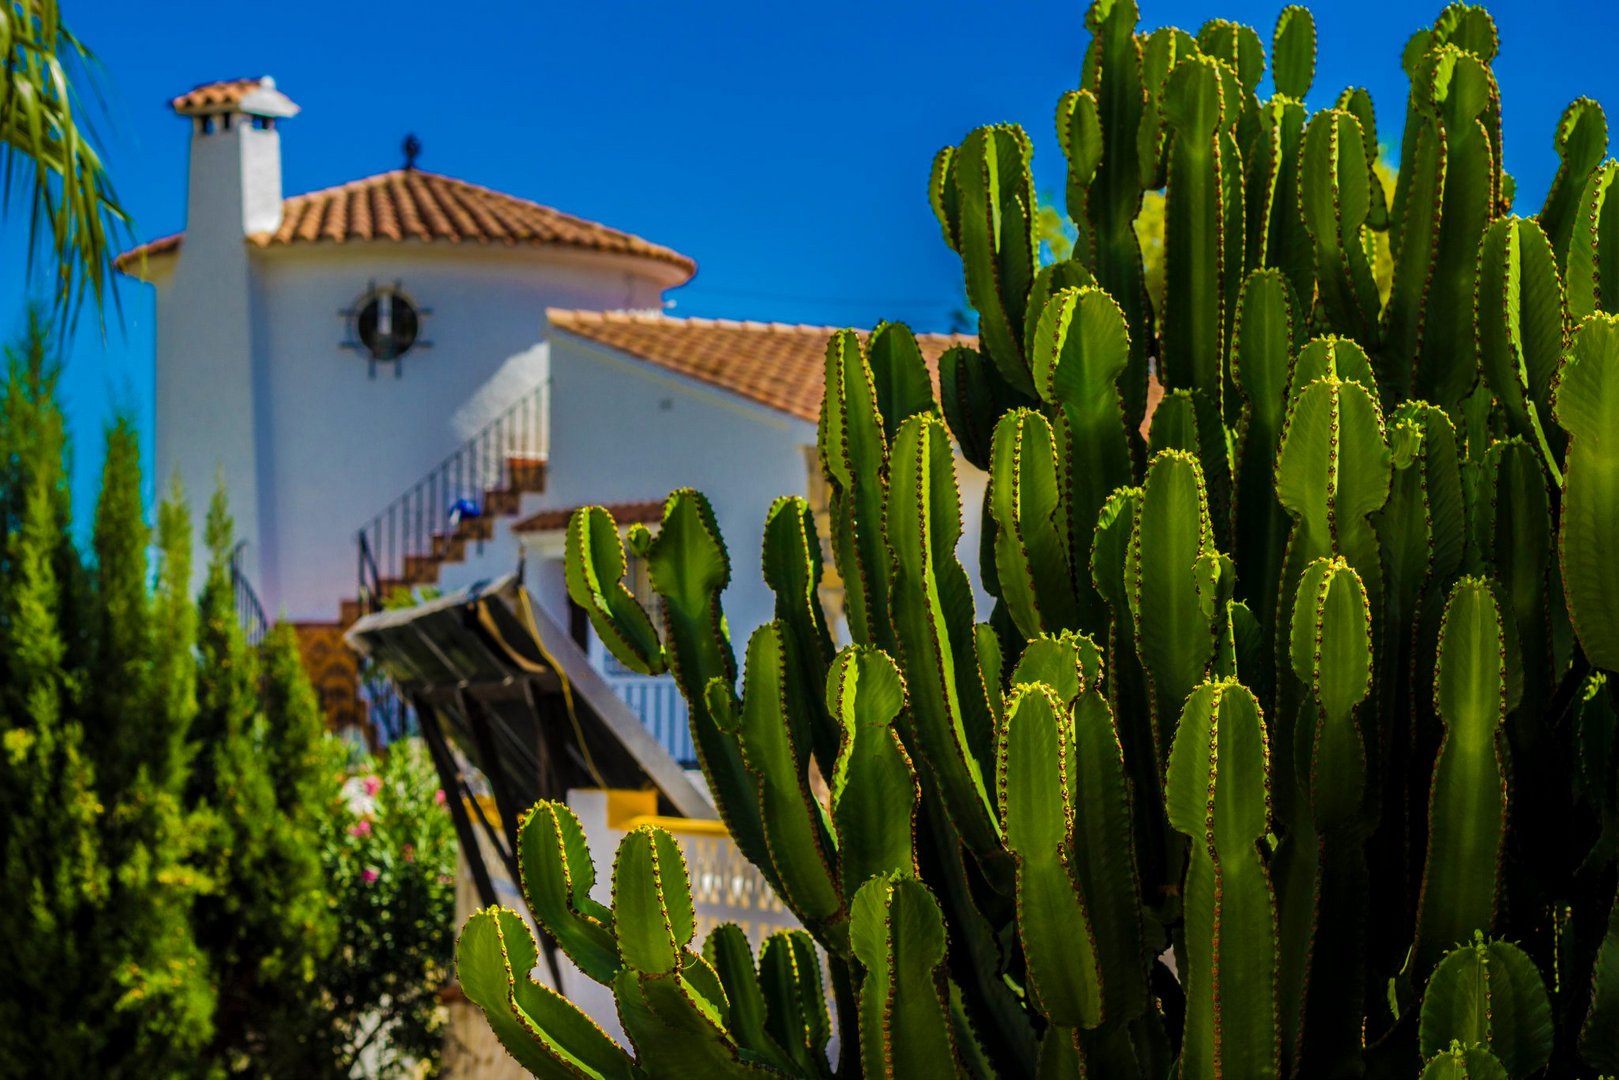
point(410, 380)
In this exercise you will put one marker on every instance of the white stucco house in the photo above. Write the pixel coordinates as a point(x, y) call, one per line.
point(409, 379)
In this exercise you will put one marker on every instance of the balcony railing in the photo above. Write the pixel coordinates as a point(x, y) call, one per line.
point(454, 504)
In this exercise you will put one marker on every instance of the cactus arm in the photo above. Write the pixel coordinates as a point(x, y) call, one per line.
point(1467, 812)
point(1469, 108)
point(1331, 355)
point(899, 938)
point(1080, 351)
point(933, 619)
point(1357, 101)
point(1217, 793)
point(1079, 133)
point(792, 569)
point(1464, 1063)
point(853, 454)
point(1587, 406)
point(1521, 321)
point(1048, 282)
point(1332, 473)
point(1591, 244)
point(557, 875)
point(1335, 200)
point(1160, 51)
point(875, 793)
point(1174, 423)
point(1066, 664)
point(1174, 631)
point(541, 1029)
point(974, 397)
point(689, 568)
point(1144, 745)
point(1031, 543)
point(1262, 363)
point(1581, 141)
point(1116, 75)
point(1599, 1034)
point(1332, 656)
point(1035, 763)
point(653, 914)
point(1194, 226)
point(899, 376)
point(677, 1032)
point(801, 852)
point(1288, 244)
point(1418, 196)
point(1518, 547)
point(1293, 52)
point(1104, 856)
point(944, 197)
point(727, 951)
point(797, 1017)
point(998, 246)
point(1489, 994)
point(670, 1001)
point(594, 570)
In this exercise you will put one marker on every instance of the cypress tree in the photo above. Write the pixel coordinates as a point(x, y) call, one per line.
point(266, 923)
point(160, 1007)
point(50, 869)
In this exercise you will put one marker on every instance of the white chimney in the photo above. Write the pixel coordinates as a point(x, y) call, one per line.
point(235, 180)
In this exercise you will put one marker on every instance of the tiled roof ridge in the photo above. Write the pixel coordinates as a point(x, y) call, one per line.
point(218, 92)
point(563, 316)
point(431, 206)
point(781, 366)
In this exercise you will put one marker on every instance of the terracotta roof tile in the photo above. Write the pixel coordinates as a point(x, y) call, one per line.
point(214, 95)
point(644, 512)
point(408, 204)
point(779, 365)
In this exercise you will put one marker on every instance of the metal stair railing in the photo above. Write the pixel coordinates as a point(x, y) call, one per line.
point(249, 611)
point(449, 507)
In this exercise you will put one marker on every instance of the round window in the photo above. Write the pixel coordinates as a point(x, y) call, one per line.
point(386, 324)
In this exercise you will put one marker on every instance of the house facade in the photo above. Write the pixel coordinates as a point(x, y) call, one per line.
point(410, 381)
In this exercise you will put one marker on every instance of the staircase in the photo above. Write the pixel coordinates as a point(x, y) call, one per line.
point(453, 509)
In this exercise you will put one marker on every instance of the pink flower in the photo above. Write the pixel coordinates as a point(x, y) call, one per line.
point(438, 796)
point(363, 828)
point(410, 852)
point(373, 784)
point(369, 875)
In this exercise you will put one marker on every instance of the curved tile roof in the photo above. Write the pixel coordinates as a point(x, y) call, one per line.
point(215, 95)
point(779, 365)
point(409, 204)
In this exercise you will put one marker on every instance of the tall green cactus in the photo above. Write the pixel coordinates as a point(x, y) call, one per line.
point(1288, 747)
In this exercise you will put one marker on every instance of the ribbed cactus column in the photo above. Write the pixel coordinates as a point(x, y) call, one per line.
point(1289, 745)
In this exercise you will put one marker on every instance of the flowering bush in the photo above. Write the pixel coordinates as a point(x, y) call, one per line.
point(390, 857)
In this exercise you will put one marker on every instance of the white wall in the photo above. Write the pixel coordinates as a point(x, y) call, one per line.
point(624, 430)
point(333, 444)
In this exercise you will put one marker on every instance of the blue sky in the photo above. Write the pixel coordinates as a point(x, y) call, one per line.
point(785, 147)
